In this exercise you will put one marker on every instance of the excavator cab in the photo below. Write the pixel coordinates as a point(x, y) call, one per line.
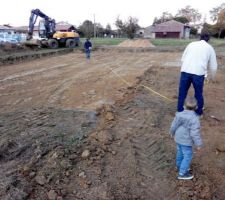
point(41, 29)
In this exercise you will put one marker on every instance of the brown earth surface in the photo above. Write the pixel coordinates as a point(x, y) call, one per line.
point(77, 129)
point(144, 43)
point(9, 48)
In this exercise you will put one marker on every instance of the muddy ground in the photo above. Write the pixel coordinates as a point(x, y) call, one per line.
point(78, 129)
point(18, 53)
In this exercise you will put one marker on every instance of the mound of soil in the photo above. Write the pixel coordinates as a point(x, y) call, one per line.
point(14, 54)
point(136, 43)
point(8, 48)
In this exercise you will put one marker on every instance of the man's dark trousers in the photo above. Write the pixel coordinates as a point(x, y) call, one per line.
point(197, 81)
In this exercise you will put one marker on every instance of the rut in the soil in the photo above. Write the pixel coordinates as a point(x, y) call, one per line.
point(151, 158)
point(143, 165)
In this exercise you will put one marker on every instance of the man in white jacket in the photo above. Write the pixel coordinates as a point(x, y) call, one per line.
point(196, 59)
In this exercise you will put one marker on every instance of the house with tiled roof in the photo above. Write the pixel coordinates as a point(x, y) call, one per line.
point(60, 26)
point(6, 29)
point(64, 27)
point(172, 29)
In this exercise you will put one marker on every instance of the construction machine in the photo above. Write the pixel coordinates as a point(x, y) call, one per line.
point(48, 36)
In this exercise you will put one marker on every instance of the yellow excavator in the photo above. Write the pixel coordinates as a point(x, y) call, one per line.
point(48, 36)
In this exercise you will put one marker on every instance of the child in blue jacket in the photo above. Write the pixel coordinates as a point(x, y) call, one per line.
point(185, 129)
point(87, 48)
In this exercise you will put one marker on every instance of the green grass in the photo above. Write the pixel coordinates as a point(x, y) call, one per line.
point(156, 42)
point(171, 42)
point(183, 42)
point(216, 42)
point(104, 41)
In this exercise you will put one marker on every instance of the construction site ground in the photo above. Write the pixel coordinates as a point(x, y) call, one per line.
point(72, 128)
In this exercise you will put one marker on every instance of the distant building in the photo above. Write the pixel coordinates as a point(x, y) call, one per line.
point(65, 27)
point(172, 29)
point(24, 29)
point(140, 32)
point(60, 26)
point(147, 32)
point(6, 29)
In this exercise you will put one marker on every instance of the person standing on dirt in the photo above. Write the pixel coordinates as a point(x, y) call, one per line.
point(185, 129)
point(195, 60)
point(87, 48)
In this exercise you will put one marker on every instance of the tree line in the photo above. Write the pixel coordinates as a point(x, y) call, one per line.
point(186, 15)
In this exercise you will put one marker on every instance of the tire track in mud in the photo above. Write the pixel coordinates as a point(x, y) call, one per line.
point(143, 165)
point(149, 154)
point(152, 164)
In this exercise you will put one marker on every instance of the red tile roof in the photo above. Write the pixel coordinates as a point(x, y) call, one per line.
point(59, 27)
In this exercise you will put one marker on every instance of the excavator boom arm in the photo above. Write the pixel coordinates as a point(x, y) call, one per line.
point(48, 23)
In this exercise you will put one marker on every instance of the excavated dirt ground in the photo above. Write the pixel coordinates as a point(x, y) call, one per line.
point(12, 53)
point(77, 129)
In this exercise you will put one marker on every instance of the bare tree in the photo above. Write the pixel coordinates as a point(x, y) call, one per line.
point(166, 16)
point(215, 11)
point(99, 30)
point(120, 26)
point(87, 28)
point(128, 27)
point(220, 25)
point(190, 13)
point(181, 19)
point(108, 29)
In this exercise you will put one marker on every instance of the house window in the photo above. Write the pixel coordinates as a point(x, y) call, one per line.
point(164, 33)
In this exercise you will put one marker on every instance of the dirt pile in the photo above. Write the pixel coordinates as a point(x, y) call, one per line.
point(143, 43)
point(9, 48)
point(11, 54)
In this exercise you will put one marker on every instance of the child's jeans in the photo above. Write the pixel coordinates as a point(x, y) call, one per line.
point(183, 158)
point(88, 53)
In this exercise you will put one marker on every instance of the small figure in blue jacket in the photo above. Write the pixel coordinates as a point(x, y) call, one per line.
point(185, 129)
point(87, 47)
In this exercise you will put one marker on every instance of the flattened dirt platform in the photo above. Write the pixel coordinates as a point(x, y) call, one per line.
point(16, 57)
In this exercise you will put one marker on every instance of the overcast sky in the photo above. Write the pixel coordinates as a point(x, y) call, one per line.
point(17, 12)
